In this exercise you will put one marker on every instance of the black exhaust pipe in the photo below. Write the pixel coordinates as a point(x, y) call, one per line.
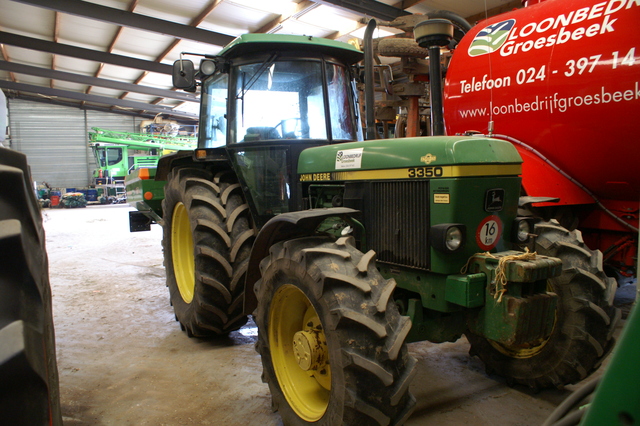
point(432, 35)
point(369, 96)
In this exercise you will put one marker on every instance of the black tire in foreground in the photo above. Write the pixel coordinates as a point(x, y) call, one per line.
point(331, 338)
point(207, 239)
point(585, 319)
point(29, 392)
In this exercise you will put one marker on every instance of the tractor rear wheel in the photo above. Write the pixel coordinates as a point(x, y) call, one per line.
point(585, 319)
point(207, 239)
point(330, 336)
point(29, 392)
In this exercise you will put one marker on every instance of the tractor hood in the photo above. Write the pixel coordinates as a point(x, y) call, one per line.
point(439, 156)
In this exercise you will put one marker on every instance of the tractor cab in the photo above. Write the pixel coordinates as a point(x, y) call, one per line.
point(265, 100)
point(276, 97)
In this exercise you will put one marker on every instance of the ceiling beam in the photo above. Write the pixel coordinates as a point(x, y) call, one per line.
point(82, 53)
point(406, 4)
point(104, 100)
point(12, 94)
point(3, 53)
point(94, 81)
point(371, 8)
point(271, 25)
point(301, 8)
point(513, 4)
point(112, 45)
point(204, 13)
point(194, 23)
point(131, 20)
point(56, 33)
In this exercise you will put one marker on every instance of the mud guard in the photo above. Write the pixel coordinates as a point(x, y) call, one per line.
point(283, 227)
point(165, 164)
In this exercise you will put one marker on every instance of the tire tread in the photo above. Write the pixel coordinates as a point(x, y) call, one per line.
point(222, 235)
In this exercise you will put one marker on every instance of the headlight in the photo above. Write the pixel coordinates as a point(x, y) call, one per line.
point(522, 228)
point(453, 238)
point(207, 67)
point(448, 237)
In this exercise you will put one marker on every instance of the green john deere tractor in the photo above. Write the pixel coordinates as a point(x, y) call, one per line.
point(344, 250)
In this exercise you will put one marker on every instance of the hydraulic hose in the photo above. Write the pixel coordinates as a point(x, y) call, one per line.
point(571, 403)
point(462, 26)
point(563, 173)
point(457, 20)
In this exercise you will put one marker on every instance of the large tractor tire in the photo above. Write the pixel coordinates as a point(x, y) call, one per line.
point(208, 234)
point(331, 338)
point(29, 392)
point(585, 319)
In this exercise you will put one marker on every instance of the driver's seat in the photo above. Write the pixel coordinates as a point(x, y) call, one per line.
point(261, 134)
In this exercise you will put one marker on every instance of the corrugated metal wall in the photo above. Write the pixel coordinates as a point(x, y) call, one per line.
point(55, 140)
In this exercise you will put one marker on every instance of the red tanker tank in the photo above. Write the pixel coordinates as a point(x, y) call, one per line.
point(562, 77)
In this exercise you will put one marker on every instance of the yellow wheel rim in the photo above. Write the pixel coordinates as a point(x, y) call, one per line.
point(299, 353)
point(520, 352)
point(182, 252)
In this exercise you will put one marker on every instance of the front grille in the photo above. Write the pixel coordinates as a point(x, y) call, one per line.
point(396, 216)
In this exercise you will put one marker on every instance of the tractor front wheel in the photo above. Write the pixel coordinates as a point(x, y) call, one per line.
point(207, 239)
point(584, 324)
point(330, 336)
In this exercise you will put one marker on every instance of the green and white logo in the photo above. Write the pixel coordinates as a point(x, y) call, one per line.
point(491, 38)
point(349, 158)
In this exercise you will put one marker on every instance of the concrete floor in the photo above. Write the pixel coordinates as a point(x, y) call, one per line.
point(124, 361)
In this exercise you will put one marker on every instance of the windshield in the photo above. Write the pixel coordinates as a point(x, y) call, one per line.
point(286, 100)
point(106, 157)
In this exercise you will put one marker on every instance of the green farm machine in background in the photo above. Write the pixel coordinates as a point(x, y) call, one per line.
point(344, 250)
point(120, 154)
point(117, 154)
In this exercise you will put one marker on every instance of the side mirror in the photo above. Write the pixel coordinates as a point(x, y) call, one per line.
point(184, 75)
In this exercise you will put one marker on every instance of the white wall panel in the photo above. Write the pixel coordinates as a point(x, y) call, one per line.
point(55, 139)
point(116, 122)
